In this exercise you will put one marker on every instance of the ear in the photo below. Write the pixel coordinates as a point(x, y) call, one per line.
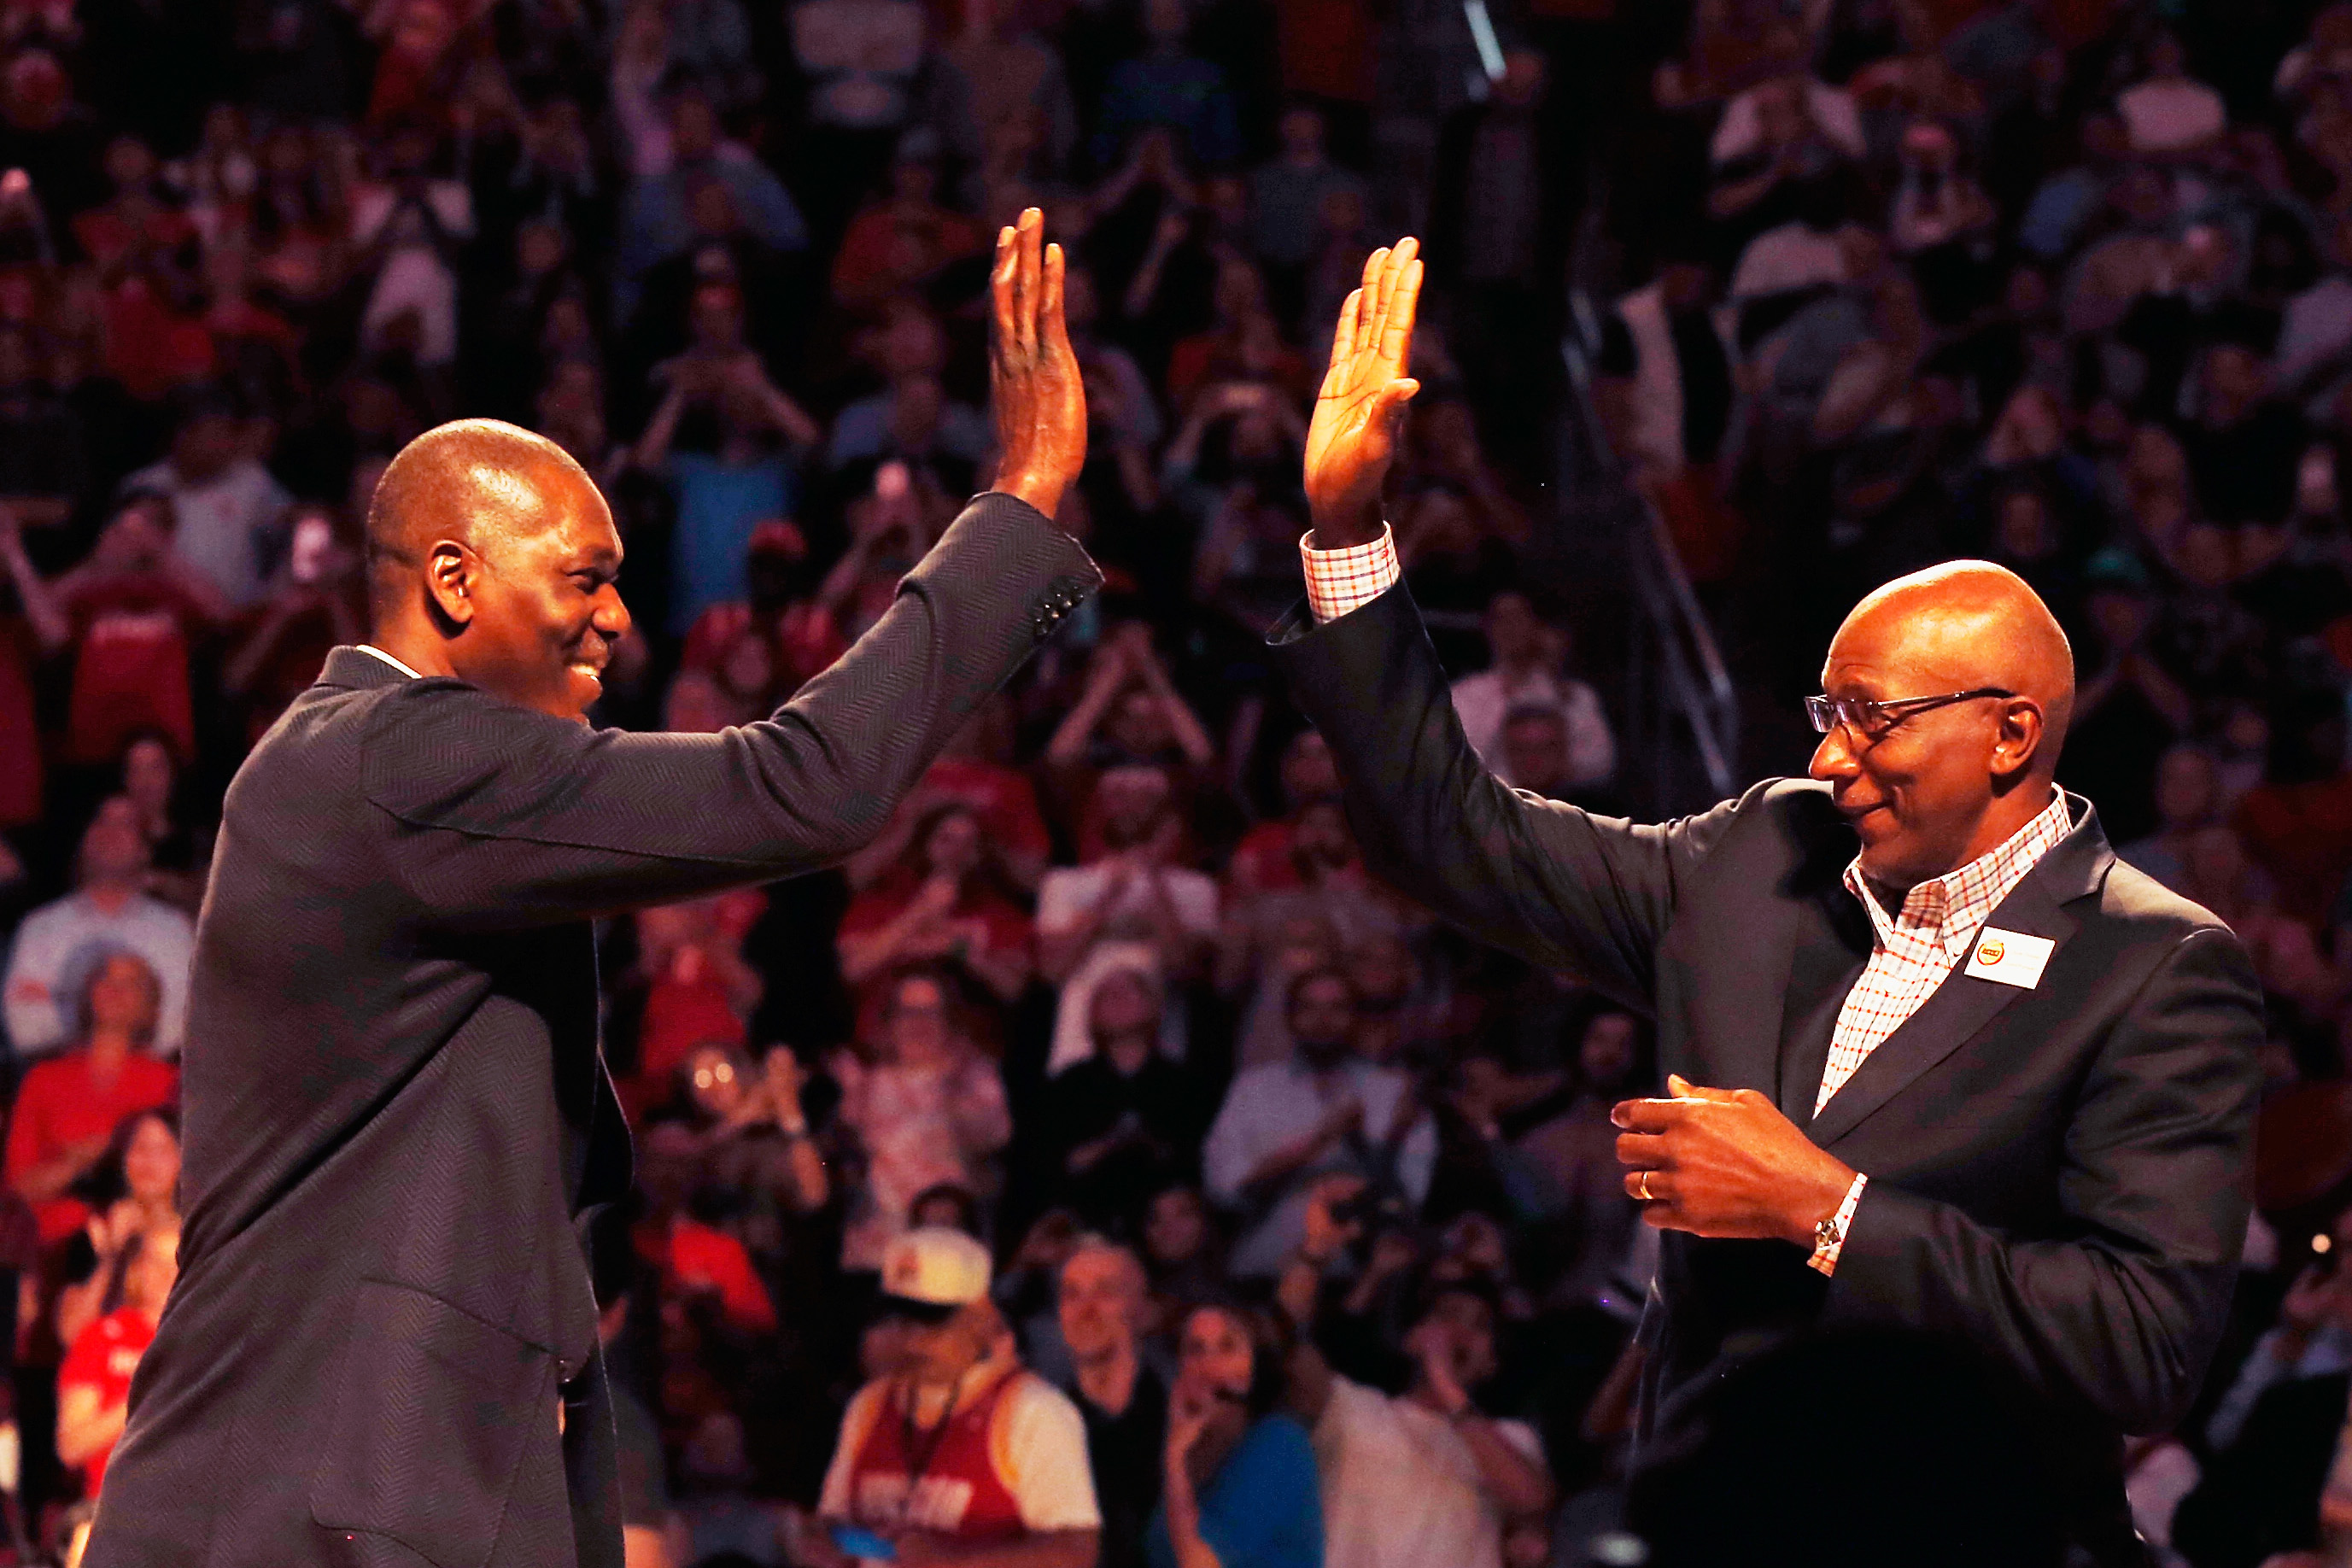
point(451, 571)
point(2018, 739)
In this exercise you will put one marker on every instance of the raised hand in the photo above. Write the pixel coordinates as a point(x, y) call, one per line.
point(1039, 397)
point(1362, 407)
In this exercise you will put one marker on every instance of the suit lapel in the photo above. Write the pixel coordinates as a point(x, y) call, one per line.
point(1963, 1006)
point(1829, 961)
point(1748, 1037)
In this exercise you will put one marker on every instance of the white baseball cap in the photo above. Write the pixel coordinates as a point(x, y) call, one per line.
point(931, 1272)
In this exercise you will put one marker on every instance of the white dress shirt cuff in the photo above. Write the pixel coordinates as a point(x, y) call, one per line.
point(1825, 1254)
point(1338, 581)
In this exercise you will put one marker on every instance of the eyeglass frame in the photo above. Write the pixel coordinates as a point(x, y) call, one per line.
point(1824, 712)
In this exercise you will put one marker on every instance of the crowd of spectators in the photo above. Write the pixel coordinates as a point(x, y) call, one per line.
point(1296, 1211)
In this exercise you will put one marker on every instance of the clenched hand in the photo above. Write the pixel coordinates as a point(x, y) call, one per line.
point(1358, 414)
point(1033, 381)
point(1725, 1163)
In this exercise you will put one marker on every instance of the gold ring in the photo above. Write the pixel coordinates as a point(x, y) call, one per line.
point(1642, 1191)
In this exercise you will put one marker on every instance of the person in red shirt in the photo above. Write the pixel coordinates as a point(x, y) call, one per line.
point(975, 771)
point(957, 1453)
point(908, 239)
point(136, 608)
point(136, 1191)
point(94, 1384)
point(693, 1259)
point(783, 633)
point(945, 901)
point(697, 988)
point(1261, 862)
point(68, 1106)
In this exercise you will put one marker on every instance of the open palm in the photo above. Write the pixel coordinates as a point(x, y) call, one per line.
point(1035, 385)
point(1352, 439)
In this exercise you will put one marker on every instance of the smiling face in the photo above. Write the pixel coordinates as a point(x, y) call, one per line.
point(1914, 792)
point(547, 612)
point(1940, 788)
point(496, 545)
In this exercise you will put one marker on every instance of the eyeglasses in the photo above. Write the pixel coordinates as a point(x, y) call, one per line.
point(1872, 720)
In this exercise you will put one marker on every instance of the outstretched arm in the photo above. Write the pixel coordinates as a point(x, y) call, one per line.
point(1568, 890)
point(504, 817)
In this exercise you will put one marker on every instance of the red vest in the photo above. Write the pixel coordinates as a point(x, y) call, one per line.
point(955, 1488)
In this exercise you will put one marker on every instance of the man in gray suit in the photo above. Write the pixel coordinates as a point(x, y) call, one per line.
point(383, 1347)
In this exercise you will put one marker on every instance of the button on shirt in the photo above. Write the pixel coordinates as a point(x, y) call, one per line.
point(1918, 945)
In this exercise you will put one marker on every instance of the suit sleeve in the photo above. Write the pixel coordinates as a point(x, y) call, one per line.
point(1561, 887)
point(2123, 1316)
point(503, 818)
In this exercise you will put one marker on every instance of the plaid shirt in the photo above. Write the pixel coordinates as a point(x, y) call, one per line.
point(1920, 945)
point(1338, 581)
point(1915, 950)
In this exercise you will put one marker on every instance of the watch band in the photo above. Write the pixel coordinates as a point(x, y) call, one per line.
point(1828, 1236)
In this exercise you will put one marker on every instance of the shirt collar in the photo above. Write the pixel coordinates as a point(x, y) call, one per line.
point(1947, 910)
point(370, 648)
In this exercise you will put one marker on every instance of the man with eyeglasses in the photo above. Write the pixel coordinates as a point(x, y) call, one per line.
point(1977, 1080)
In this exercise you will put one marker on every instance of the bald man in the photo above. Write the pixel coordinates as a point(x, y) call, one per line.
point(1934, 1059)
point(382, 1349)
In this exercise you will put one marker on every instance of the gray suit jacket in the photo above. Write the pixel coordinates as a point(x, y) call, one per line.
point(397, 1114)
point(2058, 1176)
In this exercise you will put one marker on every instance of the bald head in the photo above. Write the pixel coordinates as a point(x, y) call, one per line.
point(1971, 624)
point(477, 482)
point(492, 557)
point(1930, 787)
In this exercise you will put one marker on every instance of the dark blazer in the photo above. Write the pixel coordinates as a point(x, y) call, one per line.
point(2058, 1176)
point(396, 1112)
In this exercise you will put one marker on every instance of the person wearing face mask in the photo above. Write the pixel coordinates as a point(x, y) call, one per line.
point(399, 1116)
point(1238, 1478)
point(1937, 1063)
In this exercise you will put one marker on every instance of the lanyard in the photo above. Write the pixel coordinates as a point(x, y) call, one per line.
point(936, 1437)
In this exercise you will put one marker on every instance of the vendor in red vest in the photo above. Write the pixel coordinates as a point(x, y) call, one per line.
point(956, 1452)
